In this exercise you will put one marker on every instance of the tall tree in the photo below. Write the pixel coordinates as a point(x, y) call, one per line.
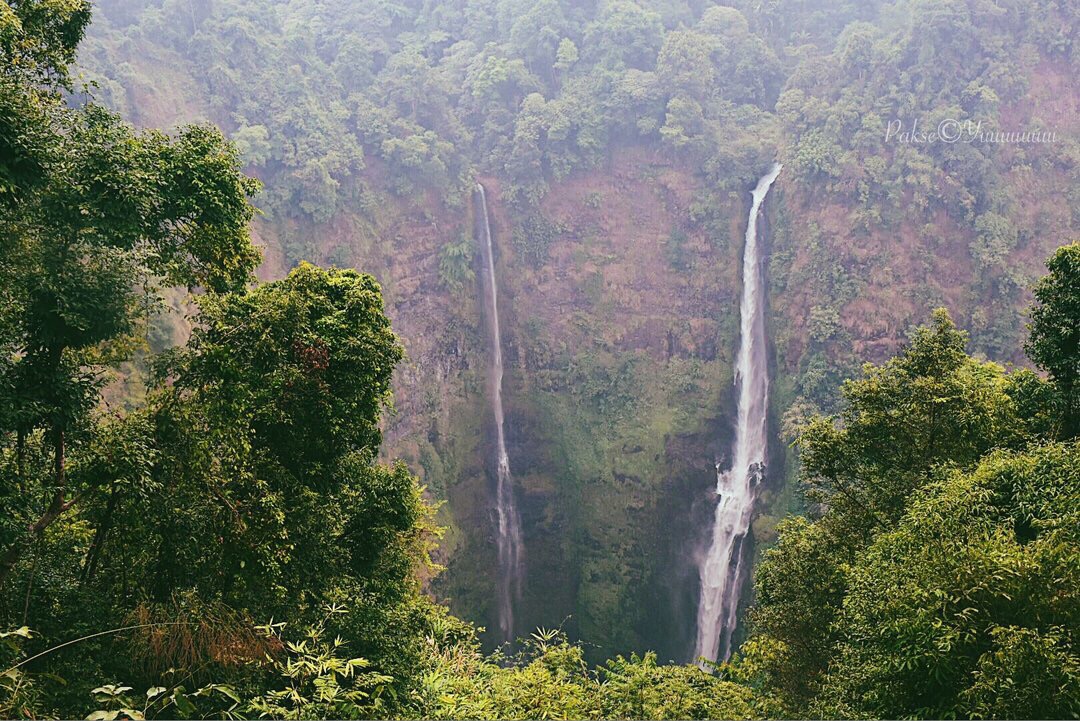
point(1054, 344)
point(930, 407)
point(969, 608)
point(266, 429)
point(37, 42)
point(96, 216)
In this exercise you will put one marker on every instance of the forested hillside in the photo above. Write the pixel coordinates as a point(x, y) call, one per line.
point(246, 446)
point(618, 140)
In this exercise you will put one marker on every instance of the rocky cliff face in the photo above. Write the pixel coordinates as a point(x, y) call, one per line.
point(619, 301)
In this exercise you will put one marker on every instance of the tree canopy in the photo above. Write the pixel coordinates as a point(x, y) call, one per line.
point(933, 577)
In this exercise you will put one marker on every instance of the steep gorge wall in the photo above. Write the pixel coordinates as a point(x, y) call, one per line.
point(619, 343)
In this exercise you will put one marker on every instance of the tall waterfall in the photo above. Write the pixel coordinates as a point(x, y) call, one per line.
point(721, 570)
point(508, 521)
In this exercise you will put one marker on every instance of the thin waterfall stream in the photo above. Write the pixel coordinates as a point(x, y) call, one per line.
point(720, 570)
point(508, 520)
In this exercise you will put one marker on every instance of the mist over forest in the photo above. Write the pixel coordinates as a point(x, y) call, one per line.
point(539, 359)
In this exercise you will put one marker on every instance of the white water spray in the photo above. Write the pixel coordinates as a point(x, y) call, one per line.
point(721, 570)
point(508, 520)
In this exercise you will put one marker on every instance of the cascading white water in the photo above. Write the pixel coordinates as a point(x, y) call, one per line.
point(720, 570)
point(508, 520)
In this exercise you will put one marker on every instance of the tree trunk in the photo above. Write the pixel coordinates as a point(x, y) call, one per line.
point(99, 537)
point(56, 507)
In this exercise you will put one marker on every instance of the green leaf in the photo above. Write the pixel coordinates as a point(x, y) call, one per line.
point(225, 691)
point(23, 631)
point(183, 703)
point(103, 716)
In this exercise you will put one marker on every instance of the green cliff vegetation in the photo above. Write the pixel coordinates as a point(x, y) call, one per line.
point(334, 103)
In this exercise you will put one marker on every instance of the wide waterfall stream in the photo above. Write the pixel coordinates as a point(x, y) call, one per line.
point(508, 521)
point(721, 571)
